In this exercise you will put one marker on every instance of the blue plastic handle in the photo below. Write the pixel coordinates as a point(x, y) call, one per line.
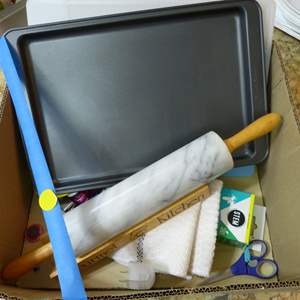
point(68, 272)
point(249, 264)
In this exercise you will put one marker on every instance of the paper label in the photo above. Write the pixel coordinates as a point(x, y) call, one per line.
point(236, 210)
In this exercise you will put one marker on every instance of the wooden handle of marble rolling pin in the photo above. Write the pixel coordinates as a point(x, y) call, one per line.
point(255, 130)
point(26, 262)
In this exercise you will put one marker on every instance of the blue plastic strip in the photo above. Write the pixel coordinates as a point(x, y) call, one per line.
point(68, 272)
point(241, 171)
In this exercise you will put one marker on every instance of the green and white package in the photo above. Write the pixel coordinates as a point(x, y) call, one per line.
point(236, 213)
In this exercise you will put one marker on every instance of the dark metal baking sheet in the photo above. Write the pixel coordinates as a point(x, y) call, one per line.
point(110, 95)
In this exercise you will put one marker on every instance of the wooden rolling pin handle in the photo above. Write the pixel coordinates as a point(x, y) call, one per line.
point(255, 130)
point(21, 265)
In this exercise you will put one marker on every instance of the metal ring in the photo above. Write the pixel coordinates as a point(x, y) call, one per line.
point(265, 262)
point(263, 248)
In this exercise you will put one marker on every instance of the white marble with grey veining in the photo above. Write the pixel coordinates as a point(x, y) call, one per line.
point(147, 191)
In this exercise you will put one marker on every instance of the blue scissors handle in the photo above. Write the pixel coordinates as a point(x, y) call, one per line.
point(253, 265)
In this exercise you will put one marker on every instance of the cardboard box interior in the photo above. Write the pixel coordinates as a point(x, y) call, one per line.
point(276, 185)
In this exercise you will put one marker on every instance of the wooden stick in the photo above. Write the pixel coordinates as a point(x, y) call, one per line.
point(141, 228)
point(27, 262)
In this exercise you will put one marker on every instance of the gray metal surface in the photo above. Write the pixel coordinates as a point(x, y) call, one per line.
point(111, 95)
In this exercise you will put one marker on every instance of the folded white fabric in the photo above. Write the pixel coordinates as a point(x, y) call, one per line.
point(206, 235)
point(183, 245)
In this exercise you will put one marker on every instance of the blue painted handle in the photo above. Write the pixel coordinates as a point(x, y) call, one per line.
point(249, 264)
point(68, 273)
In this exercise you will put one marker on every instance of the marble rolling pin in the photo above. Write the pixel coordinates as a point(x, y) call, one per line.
point(148, 191)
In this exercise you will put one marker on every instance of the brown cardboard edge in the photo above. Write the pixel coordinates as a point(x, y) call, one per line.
point(21, 294)
point(205, 290)
point(279, 175)
point(18, 194)
point(3, 103)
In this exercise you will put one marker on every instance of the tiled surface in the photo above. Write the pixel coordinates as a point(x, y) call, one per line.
point(289, 53)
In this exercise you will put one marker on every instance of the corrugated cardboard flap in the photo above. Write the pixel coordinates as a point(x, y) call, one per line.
point(280, 176)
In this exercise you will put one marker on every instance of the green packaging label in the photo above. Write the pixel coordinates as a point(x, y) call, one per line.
point(236, 212)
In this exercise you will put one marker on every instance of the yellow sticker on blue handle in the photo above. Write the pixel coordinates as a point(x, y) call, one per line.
point(47, 200)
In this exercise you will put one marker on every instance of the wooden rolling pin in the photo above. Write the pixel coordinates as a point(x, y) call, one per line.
point(145, 193)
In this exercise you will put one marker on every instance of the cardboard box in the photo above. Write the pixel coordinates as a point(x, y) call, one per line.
point(279, 181)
